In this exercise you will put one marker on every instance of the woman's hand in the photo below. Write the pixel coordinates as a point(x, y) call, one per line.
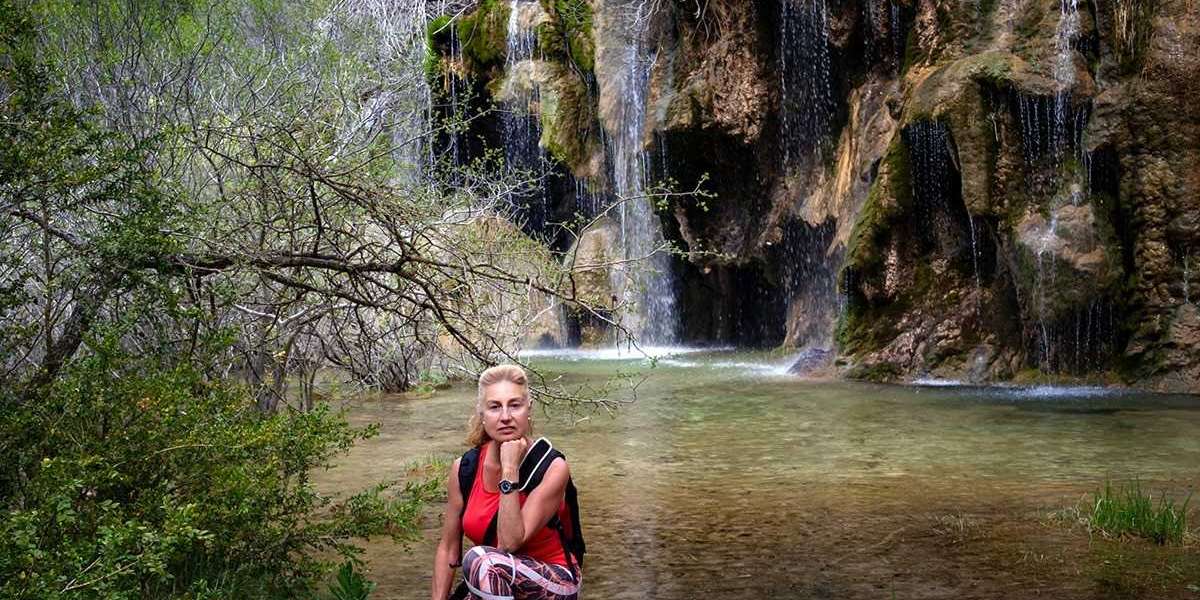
point(511, 453)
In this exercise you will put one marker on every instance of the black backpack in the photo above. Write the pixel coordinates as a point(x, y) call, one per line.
point(533, 468)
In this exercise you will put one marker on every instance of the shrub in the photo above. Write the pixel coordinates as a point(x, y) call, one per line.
point(121, 481)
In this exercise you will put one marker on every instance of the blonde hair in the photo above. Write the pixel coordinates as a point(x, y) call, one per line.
point(476, 435)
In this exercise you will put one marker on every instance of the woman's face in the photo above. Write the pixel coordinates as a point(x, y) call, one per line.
point(505, 411)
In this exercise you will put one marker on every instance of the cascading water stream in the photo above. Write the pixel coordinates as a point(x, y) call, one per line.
point(975, 258)
point(521, 128)
point(806, 115)
point(1187, 296)
point(1050, 129)
point(883, 40)
point(456, 108)
point(650, 287)
point(805, 72)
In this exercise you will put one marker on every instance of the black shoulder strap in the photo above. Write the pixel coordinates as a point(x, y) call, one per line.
point(573, 544)
point(533, 470)
point(467, 466)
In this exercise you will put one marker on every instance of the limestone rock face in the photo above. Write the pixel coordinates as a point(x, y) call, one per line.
point(593, 264)
point(1063, 260)
point(1001, 188)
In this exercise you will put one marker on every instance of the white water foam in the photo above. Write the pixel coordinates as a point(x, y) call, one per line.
point(617, 353)
point(937, 382)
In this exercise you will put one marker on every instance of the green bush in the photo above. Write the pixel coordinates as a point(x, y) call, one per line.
point(1129, 511)
point(121, 481)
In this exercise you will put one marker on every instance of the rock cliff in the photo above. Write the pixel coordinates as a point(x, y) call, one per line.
point(976, 189)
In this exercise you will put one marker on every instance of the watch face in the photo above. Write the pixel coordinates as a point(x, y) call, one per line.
point(506, 486)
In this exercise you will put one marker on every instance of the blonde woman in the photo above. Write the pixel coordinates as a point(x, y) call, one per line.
point(521, 550)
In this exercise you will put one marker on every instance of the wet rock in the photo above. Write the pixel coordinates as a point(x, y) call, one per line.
point(1070, 180)
point(1064, 262)
point(525, 316)
point(593, 264)
point(812, 362)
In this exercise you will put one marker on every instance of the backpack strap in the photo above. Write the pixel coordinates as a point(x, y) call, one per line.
point(467, 466)
point(533, 466)
point(537, 461)
point(576, 544)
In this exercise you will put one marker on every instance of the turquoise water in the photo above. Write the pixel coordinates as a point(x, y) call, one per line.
point(717, 475)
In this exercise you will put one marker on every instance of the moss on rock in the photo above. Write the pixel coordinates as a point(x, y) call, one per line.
point(483, 34)
point(568, 121)
point(437, 42)
point(892, 191)
point(570, 31)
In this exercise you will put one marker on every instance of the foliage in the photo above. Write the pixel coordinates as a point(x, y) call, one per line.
point(1130, 511)
point(195, 221)
point(127, 480)
point(278, 198)
point(350, 584)
point(436, 38)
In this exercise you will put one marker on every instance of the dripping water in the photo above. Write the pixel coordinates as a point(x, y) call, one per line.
point(805, 72)
point(1187, 298)
point(651, 288)
point(521, 128)
point(975, 260)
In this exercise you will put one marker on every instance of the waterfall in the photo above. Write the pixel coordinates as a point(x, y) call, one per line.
point(806, 94)
point(975, 259)
point(1187, 297)
point(937, 198)
point(456, 108)
point(883, 42)
point(1064, 68)
point(647, 290)
point(520, 125)
point(806, 114)
point(1051, 127)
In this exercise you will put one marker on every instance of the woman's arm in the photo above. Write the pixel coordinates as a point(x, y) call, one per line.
point(449, 550)
point(517, 524)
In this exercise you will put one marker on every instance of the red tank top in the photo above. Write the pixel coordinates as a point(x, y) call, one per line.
point(482, 505)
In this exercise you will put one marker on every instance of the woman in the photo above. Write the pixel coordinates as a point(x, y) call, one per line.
point(526, 558)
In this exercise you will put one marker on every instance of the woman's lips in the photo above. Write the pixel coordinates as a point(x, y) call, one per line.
point(507, 429)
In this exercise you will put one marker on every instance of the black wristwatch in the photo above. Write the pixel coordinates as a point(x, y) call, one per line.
point(507, 487)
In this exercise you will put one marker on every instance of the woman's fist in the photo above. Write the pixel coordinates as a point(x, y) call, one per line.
point(511, 453)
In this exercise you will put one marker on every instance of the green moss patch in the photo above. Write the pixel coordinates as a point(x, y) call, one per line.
point(484, 35)
point(567, 121)
point(569, 32)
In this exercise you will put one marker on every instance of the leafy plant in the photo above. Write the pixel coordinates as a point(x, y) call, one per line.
point(350, 584)
point(1130, 511)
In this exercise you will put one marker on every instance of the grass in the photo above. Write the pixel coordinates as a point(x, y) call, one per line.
point(1131, 512)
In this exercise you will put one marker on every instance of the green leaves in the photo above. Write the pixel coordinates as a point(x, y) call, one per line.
point(125, 480)
point(350, 585)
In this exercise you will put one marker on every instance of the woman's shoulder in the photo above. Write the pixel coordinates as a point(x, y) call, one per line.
point(558, 467)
